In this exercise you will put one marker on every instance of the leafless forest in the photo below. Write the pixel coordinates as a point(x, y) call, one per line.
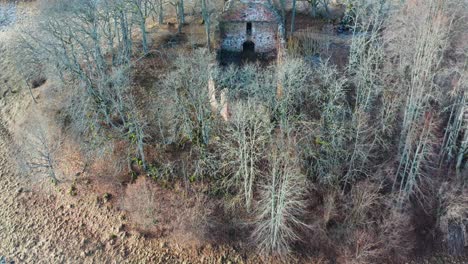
point(350, 146)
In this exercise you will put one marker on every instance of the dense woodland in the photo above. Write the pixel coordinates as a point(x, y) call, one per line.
point(361, 163)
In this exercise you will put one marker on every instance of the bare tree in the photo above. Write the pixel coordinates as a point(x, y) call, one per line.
point(314, 6)
point(187, 97)
point(206, 14)
point(142, 10)
point(243, 148)
point(293, 17)
point(282, 5)
point(160, 12)
point(179, 8)
point(282, 203)
point(365, 70)
point(454, 149)
point(39, 151)
point(327, 138)
point(90, 45)
point(419, 64)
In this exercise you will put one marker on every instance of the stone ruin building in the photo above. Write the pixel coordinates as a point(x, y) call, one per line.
point(249, 29)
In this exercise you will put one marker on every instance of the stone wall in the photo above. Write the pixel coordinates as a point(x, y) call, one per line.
point(233, 36)
point(264, 37)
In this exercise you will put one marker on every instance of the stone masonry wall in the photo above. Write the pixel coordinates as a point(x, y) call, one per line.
point(234, 35)
point(264, 37)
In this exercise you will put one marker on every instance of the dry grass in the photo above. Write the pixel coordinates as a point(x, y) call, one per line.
point(308, 42)
point(160, 212)
point(365, 200)
point(453, 211)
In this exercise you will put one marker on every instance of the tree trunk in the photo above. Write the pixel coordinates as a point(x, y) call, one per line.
point(313, 11)
point(161, 13)
point(283, 14)
point(325, 5)
point(143, 36)
point(207, 22)
point(179, 17)
point(30, 92)
point(313, 8)
point(455, 238)
point(182, 12)
point(293, 16)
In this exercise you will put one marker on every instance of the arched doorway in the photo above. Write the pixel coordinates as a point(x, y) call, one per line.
point(248, 51)
point(248, 46)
